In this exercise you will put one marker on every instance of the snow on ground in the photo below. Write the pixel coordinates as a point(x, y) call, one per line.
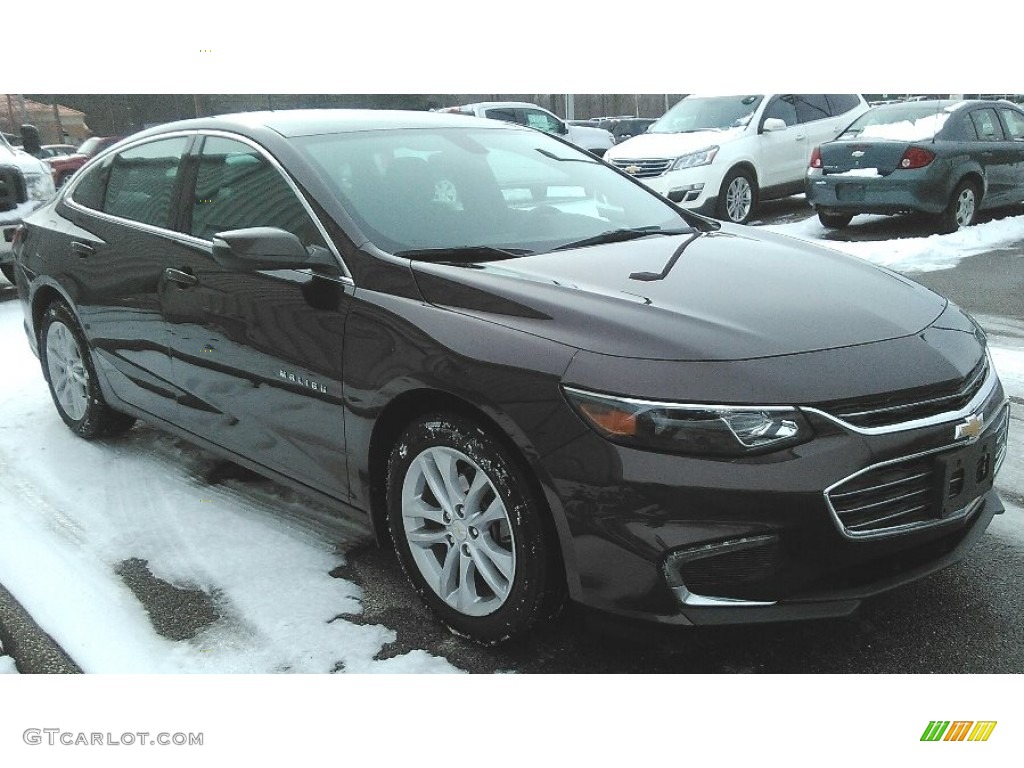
point(915, 254)
point(7, 664)
point(71, 511)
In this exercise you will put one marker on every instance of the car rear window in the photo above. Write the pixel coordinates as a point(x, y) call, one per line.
point(905, 122)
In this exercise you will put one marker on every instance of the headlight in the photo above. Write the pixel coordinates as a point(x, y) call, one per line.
point(708, 430)
point(39, 186)
point(692, 160)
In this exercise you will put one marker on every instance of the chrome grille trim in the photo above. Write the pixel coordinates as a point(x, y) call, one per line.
point(980, 397)
point(649, 167)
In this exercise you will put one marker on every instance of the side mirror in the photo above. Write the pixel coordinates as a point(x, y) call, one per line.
point(772, 124)
point(563, 127)
point(265, 248)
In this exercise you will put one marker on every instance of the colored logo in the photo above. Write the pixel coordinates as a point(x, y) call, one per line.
point(959, 730)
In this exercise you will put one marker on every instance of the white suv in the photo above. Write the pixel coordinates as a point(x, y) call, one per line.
point(595, 140)
point(721, 155)
point(25, 184)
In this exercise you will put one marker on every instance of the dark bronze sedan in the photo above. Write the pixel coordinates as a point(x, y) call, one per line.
point(534, 376)
point(947, 158)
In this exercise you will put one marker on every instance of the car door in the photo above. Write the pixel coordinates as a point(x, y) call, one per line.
point(1013, 124)
point(121, 239)
point(782, 152)
point(258, 354)
point(996, 156)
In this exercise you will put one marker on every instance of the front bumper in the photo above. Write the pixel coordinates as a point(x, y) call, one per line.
point(680, 540)
point(695, 189)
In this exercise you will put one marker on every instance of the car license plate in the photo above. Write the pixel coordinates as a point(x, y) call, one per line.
point(969, 472)
point(850, 192)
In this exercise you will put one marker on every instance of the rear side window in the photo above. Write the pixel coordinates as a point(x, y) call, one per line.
point(1014, 123)
point(987, 125)
point(508, 115)
point(841, 103)
point(142, 181)
point(89, 190)
point(811, 107)
point(236, 188)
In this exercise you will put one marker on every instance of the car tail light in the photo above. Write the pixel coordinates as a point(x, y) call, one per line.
point(816, 158)
point(915, 157)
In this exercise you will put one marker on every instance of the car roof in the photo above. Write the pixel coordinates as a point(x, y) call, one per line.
point(311, 122)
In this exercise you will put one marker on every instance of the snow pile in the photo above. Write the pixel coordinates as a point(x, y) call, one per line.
point(906, 130)
point(916, 254)
point(7, 664)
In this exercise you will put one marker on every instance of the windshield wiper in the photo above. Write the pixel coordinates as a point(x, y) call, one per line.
point(621, 235)
point(463, 254)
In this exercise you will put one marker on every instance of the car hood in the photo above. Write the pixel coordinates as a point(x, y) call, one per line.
point(725, 295)
point(650, 145)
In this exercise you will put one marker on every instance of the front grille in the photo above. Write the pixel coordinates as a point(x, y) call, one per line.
point(12, 188)
point(893, 495)
point(646, 168)
point(911, 404)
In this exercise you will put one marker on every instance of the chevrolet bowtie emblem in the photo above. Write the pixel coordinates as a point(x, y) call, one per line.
point(857, 153)
point(632, 170)
point(970, 427)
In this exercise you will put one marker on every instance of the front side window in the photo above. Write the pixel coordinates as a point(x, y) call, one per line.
point(782, 108)
point(236, 188)
point(987, 125)
point(542, 121)
point(142, 181)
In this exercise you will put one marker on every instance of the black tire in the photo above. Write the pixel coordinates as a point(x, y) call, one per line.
point(834, 220)
point(86, 413)
point(535, 587)
point(728, 207)
point(962, 210)
point(8, 272)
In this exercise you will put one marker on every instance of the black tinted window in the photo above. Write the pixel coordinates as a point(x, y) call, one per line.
point(89, 190)
point(782, 108)
point(987, 125)
point(237, 188)
point(811, 106)
point(142, 182)
point(842, 102)
point(508, 115)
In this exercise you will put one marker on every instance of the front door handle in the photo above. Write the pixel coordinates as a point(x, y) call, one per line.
point(82, 250)
point(182, 277)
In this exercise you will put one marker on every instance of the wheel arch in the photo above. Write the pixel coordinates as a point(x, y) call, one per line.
point(412, 404)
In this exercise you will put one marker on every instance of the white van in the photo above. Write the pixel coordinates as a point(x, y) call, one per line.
point(722, 155)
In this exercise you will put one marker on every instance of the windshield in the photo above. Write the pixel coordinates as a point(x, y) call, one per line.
point(905, 122)
point(707, 113)
point(510, 189)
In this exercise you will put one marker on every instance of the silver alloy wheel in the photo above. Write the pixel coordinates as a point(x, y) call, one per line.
point(458, 531)
point(68, 376)
point(738, 199)
point(965, 207)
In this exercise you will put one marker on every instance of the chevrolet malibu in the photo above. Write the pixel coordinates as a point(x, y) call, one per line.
point(536, 378)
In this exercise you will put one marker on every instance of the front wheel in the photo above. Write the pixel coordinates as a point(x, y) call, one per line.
point(470, 533)
point(70, 374)
point(737, 197)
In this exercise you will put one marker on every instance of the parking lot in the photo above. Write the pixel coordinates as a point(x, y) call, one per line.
point(197, 565)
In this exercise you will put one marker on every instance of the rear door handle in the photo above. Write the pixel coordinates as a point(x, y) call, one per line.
point(82, 250)
point(181, 277)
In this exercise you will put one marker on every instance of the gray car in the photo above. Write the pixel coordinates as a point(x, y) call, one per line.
point(947, 158)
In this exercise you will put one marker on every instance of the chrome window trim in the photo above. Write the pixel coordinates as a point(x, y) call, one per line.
point(896, 530)
point(991, 381)
point(183, 237)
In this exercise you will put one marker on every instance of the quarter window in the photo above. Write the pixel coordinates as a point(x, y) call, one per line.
point(841, 103)
point(142, 182)
point(236, 188)
point(508, 115)
point(89, 190)
point(987, 125)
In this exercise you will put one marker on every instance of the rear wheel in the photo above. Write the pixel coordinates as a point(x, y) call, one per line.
point(69, 372)
point(962, 210)
point(737, 197)
point(470, 533)
point(8, 272)
point(834, 220)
